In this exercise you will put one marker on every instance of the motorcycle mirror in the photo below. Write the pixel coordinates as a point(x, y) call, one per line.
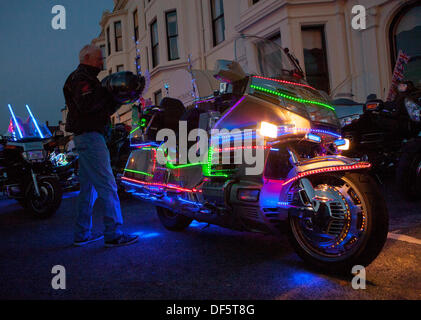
point(229, 71)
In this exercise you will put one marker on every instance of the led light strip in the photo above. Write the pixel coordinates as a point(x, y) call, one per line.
point(310, 131)
point(229, 111)
point(134, 130)
point(144, 145)
point(240, 148)
point(207, 168)
point(286, 82)
point(169, 186)
point(362, 165)
point(139, 172)
point(291, 97)
point(35, 122)
point(16, 122)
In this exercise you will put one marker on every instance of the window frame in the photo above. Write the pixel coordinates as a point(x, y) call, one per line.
point(118, 37)
point(136, 25)
point(403, 10)
point(172, 36)
point(108, 41)
point(215, 19)
point(104, 57)
point(322, 28)
point(155, 59)
point(155, 95)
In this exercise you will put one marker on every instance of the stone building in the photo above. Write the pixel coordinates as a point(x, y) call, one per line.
point(336, 58)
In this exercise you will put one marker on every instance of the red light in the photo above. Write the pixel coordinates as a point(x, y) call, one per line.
point(169, 186)
point(362, 165)
point(286, 82)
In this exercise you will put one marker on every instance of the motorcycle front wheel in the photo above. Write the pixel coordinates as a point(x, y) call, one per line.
point(45, 204)
point(349, 226)
point(172, 221)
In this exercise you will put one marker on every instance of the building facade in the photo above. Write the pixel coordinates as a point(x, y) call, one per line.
point(336, 58)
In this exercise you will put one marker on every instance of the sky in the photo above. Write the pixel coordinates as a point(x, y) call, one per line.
point(35, 59)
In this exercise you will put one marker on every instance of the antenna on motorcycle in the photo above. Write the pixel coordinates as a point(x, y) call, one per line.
point(15, 121)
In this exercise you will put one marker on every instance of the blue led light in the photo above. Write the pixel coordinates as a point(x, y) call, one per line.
point(340, 142)
point(313, 137)
point(35, 122)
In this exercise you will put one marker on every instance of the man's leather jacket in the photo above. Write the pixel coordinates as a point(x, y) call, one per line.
point(89, 104)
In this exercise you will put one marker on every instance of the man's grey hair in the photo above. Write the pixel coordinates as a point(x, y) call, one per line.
point(89, 49)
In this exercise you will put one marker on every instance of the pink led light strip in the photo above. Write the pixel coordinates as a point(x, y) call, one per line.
point(362, 165)
point(286, 82)
point(240, 148)
point(169, 186)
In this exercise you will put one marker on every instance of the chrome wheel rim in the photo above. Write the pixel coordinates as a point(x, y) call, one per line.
point(339, 227)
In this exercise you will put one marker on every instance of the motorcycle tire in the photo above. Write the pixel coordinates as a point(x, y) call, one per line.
point(408, 175)
point(367, 224)
point(172, 221)
point(48, 202)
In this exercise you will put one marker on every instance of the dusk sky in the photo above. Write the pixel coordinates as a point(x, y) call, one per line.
point(36, 59)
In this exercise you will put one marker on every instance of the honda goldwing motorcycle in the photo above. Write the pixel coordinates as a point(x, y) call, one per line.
point(26, 173)
point(388, 135)
point(336, 215)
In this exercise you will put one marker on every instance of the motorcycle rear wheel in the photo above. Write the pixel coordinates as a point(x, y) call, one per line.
point(172, 221)
point(355, 240)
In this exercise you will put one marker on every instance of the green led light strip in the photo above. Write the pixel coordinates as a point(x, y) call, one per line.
point(134, 130)
point(291, 98)
point(139, 172)
point(207, 168)
point(171, 166)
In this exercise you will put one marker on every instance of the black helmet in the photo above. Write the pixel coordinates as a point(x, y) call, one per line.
point(125, 86)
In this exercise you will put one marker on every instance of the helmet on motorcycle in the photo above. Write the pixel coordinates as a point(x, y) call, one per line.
point(125, 87)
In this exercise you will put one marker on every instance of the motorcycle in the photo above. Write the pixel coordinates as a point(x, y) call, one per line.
point(26, 174)
point(335, 213)
point(388, 135)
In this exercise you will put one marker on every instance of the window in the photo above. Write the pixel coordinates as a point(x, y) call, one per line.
point(104, 63)
point(405, 28)
point(218, 21)
point(120, 68)
point(110, 71)
point(315, 58)
point(172, 35)
point(154, 44)
point(108, 41)
point(158, 97)
point(118, 36)
point(136, 25)
point(254, 1)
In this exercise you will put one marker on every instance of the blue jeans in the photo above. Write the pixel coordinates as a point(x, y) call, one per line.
point(95, 174)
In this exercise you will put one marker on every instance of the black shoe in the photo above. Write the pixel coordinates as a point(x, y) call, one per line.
point(93, 237)
point(123, 240)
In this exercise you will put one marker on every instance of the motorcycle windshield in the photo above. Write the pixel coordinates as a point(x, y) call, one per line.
point(277, 77)
point(27, 129)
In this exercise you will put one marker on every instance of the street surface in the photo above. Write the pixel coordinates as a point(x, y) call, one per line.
point(199, 263)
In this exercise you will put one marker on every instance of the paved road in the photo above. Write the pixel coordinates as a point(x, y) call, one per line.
point(210, 263)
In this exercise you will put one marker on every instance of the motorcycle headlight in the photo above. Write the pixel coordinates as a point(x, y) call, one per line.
point(414, 110)
point(342, 144)
point(34, 155)
point(268, 129)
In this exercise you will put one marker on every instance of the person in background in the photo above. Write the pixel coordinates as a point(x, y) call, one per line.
point(90, 107)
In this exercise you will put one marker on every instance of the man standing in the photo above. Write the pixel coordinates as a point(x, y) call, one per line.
point(90, 107)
